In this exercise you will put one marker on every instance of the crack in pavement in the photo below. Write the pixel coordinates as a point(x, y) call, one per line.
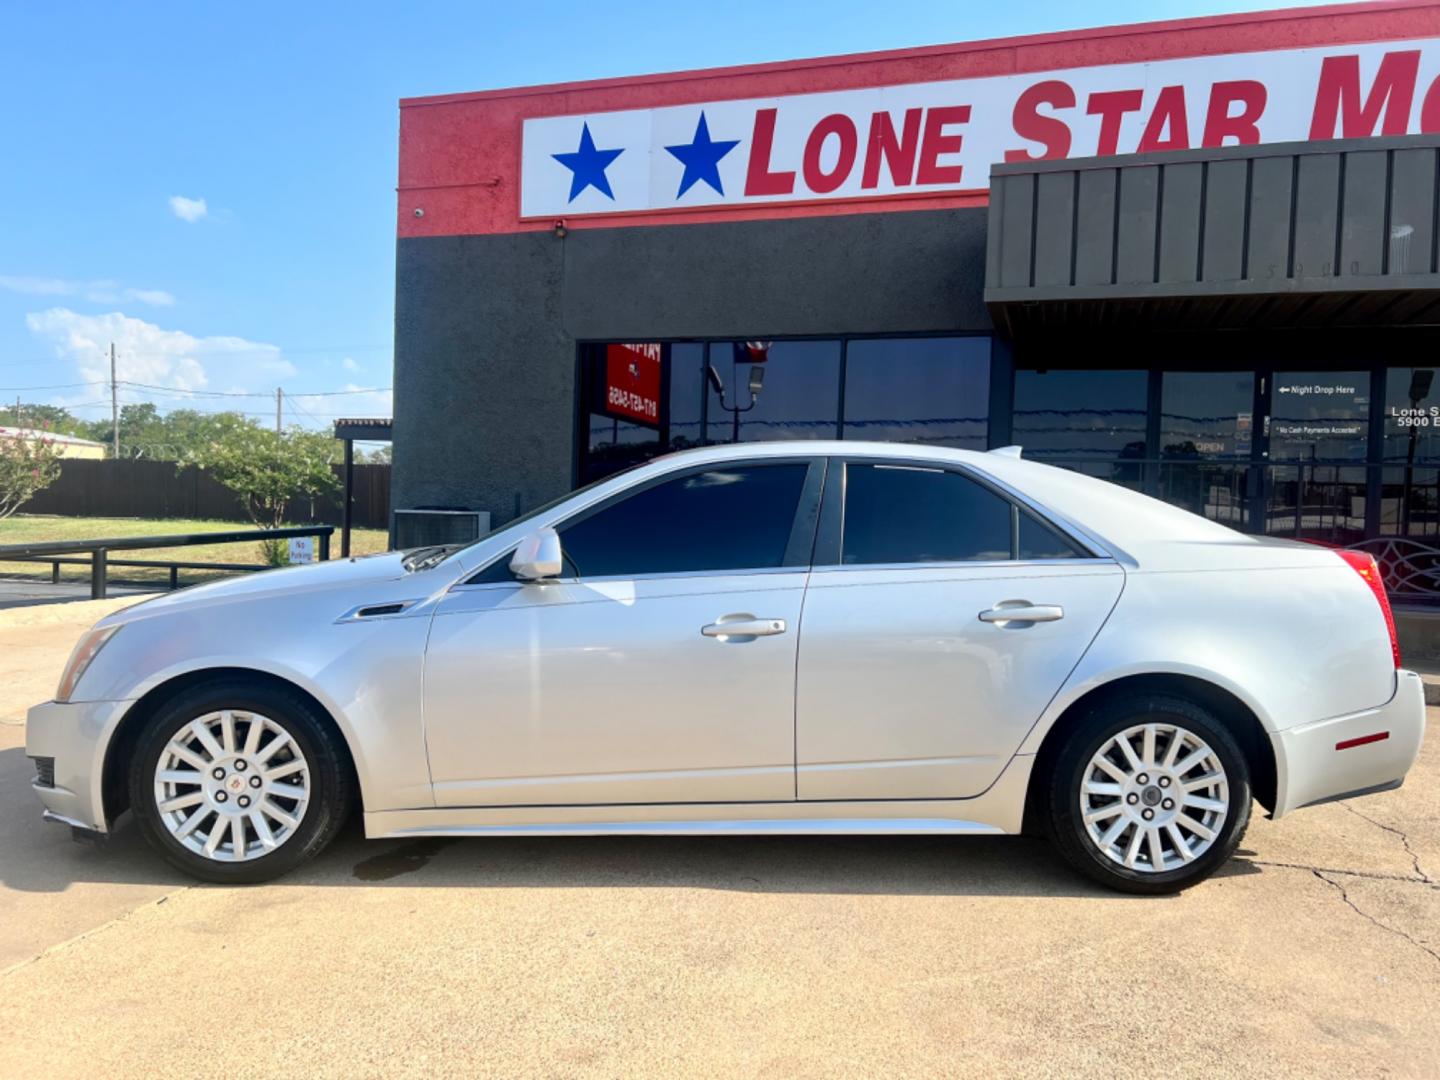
point(1345, 896)
point(1404, 839)
point(1372, 875)
point(109, 924)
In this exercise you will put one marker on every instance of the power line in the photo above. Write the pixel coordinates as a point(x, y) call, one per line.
point(54, 386)
point(178, 390)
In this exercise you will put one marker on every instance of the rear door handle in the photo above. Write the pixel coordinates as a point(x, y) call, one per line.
point(1021, 611)
point(743, 627)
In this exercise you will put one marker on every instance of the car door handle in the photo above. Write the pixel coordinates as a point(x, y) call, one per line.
point(1022, 611)
point(744, 627)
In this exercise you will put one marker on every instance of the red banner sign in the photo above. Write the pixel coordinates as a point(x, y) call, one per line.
point(632, 382)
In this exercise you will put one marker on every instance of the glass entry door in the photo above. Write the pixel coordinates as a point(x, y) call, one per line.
point(1207, 443)
point(1318, 432)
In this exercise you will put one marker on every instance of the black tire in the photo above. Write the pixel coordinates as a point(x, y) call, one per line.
point(1064, 816)
point(330, 784)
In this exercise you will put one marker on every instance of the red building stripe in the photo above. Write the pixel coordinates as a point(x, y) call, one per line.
point(460, 153)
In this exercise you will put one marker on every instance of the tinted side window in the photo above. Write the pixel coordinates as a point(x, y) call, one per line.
point(1039, 541)
point(900, 514)
point(735, 518)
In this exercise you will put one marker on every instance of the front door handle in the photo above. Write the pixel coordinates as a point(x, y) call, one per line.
point(742, 627)
point(1021, 611)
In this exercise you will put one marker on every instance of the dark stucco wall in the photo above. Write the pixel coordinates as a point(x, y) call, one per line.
point(486, 326)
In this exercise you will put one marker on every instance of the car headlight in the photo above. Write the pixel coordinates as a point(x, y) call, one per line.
point(86, 649)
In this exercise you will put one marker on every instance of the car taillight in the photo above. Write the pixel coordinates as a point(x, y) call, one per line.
point(1364, 564)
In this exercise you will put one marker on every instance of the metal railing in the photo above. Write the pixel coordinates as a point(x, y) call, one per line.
point(56, 552)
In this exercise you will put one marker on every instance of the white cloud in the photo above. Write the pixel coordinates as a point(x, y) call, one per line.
point(146, 353)
point(37, 286)
point(191, 210)
point(157, 297)
point(349, 364)
point(98, 292)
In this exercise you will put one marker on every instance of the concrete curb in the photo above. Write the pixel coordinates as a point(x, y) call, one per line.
point(1432, 688)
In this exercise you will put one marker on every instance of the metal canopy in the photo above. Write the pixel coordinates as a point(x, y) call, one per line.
point(372, 430)
point(1334, 233)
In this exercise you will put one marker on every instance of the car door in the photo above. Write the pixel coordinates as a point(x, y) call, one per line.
point(940, 620)
point(659, 668)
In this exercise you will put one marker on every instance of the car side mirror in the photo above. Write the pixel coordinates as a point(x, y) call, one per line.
point(538, 557)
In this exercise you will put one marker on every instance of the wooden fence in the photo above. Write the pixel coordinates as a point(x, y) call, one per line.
point(157, 489)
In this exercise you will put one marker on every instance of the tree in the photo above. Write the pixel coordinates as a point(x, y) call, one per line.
point(268, 471)
point(379, 456)
point(52, 418)
point(27, 465)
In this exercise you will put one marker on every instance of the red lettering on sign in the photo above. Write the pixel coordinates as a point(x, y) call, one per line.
point(816, 178)
point(1338, 96)
point(1111, 107)
point(1430, 110)
point(759, 180)
point(898, 155)
point(935, 143)
point(1051, 132)
point(1242, 127)
point(632, 382)
point(1167, 116)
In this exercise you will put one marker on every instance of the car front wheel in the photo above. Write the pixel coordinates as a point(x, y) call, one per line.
point(238, 782)
point(1149, 795)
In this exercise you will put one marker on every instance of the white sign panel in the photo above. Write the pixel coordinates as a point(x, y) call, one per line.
point(302, 549)
point(943, 137)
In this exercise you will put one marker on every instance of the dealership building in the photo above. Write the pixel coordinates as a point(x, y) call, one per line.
point(1198, 258)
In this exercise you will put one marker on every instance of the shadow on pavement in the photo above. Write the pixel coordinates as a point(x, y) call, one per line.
point(39, 857)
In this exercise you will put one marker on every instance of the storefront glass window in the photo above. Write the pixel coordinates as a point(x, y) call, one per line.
point(919, 390)
point(1206, 415)
point(643, 400)
point(1412, 415)
point(763, 391)
point(1091, 421)
point(1319, 416)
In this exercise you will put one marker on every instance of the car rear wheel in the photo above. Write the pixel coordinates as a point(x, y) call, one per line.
point(1149, 795)
point(238, 782)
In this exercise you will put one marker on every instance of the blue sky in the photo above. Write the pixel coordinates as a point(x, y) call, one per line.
point(282, 118)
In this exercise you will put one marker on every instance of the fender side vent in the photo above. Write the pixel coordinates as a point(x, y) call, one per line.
point(379, 609)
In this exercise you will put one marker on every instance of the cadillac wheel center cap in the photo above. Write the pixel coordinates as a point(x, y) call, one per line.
point(1150, 796)
point(235, 784)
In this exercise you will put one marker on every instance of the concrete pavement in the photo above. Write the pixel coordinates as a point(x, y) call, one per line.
point(1317, 950)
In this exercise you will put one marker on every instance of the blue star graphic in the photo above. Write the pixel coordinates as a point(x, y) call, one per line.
point(587, 166)
point(701, 158)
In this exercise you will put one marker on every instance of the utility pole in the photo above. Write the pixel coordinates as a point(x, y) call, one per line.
point(114, 407)
point(279, 405)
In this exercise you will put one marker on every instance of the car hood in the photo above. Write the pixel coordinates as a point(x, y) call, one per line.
point(285, 581)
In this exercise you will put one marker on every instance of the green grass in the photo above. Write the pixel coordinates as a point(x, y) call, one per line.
point(23, 528)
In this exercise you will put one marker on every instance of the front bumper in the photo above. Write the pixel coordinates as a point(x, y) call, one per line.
point(74, 736)
point(1313, 763)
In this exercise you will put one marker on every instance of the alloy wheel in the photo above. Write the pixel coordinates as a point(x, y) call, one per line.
point(1154, 797)
point(232, 786)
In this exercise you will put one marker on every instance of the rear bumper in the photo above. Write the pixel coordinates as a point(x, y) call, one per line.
point(1314, 764)
point(73, 735)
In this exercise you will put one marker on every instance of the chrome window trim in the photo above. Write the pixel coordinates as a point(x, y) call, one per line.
point(685, 576)
point(977, 564)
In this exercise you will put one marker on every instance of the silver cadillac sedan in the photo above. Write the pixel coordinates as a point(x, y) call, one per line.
point(784, 638)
